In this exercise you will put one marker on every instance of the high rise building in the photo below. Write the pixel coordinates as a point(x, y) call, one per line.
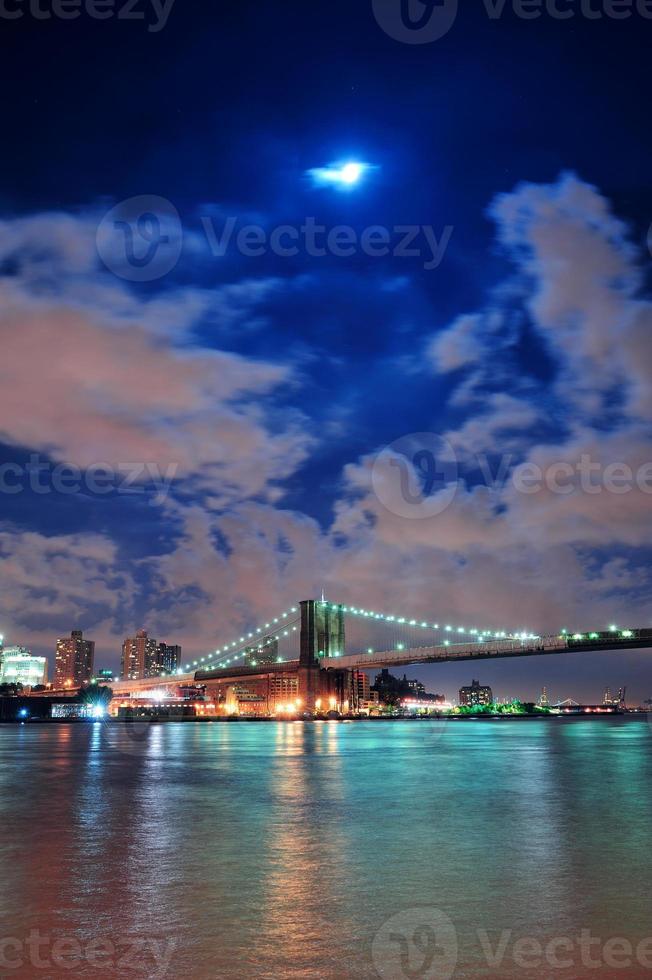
point(167, 660)
point(20, 667)
point(263, 652)
point(143, 657)
point(74, 661)
point(139, 657)
point(543, 698)
point(1, 652)
point(476, 694)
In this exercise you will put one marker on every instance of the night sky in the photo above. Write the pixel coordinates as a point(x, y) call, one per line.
point(270, 386)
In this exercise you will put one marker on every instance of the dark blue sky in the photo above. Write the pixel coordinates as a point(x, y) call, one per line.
point(222, 113)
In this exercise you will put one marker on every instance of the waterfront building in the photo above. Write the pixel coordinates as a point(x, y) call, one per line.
point(360, 689)
point(20, 667)
point(476, 693)
point(74, 660)
point(544, 701)
point(392, 689)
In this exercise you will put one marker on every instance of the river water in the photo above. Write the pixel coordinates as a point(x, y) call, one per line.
point(297, 850)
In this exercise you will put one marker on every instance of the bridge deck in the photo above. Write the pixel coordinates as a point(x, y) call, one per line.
point(541, 646)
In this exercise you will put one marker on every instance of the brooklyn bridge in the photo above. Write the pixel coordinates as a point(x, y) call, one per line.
point(311, 655)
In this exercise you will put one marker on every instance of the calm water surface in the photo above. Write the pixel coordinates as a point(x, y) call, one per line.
point(282, 850)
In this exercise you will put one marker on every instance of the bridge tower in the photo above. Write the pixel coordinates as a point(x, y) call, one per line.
point(322, 635)
point(322, 630)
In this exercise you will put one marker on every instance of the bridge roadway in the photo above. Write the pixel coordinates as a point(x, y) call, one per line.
point(494, 648)
point(479, 650)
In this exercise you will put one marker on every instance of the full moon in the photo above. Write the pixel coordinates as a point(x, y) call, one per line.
point(344, 175)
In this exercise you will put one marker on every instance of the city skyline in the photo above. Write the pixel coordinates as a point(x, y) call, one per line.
point(512, 679)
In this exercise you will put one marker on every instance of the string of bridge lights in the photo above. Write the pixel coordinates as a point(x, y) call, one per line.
point(447, 628)
point(236, 648)
point(279, 626)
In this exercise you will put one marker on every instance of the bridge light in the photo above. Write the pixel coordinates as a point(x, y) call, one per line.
point(413, 622)
point(448, 628)
point(279, 660)
point(627, 633)
point(293, 609)
point(613, 628)
point(370, 650)
point(400, 646)
point(593, 636)
point(435, 626)
point(578, 636)
point(460, 629)
point(447, 643)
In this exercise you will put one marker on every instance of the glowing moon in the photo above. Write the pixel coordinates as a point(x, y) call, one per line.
point(344, 175)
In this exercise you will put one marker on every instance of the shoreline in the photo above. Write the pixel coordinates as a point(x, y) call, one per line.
point(578, 716)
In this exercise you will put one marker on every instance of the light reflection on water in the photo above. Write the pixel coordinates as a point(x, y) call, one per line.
point(279, 850)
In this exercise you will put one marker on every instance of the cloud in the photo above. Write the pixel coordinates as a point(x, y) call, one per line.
point(91, 374)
